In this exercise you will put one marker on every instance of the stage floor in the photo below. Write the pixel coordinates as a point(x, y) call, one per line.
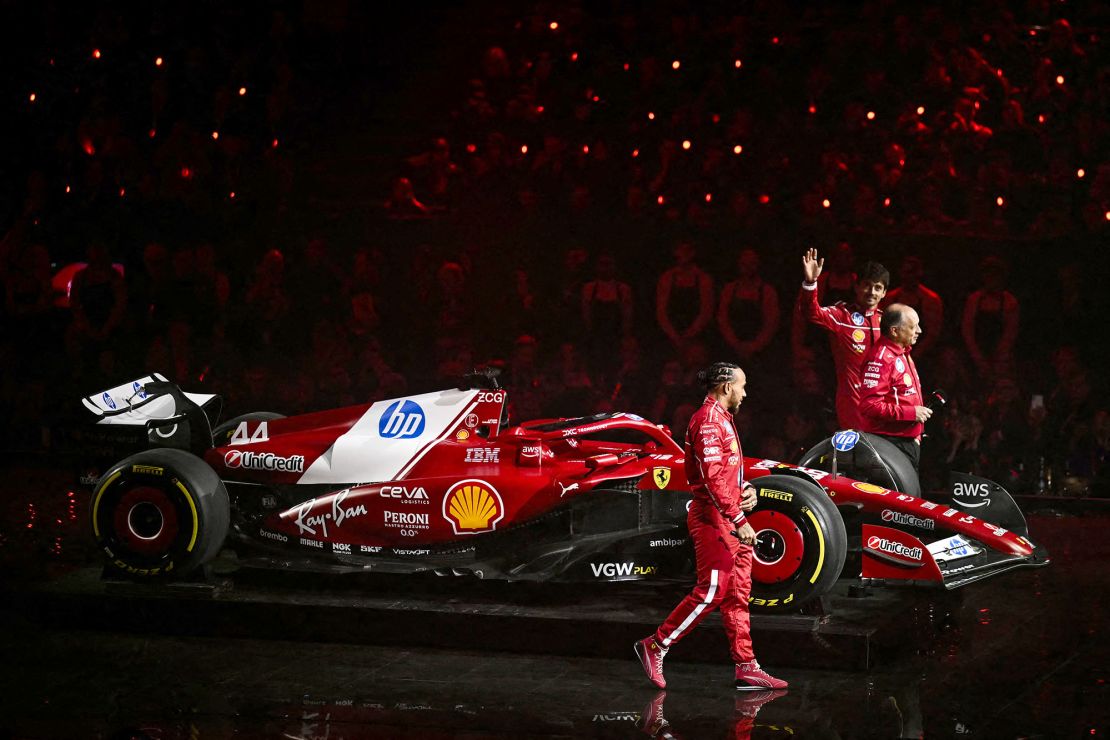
point(1022, 655)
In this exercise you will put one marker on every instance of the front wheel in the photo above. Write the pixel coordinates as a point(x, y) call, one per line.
point(800, 543)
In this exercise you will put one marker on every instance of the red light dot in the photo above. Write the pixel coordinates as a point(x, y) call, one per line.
point(87, 145)
point(1107, 215)
point(596, 98)
point(157, 61)
point(635, 152)
point(152, 133)
point(775, 40)
point(870, 115)
point(737, 149)
point(659, 200)
point(186, 173)
point(626, 66)
point(999, 72)
point(574, 56)
point(1040, 118)
point(676, 64)
point(920, 110)
point(812, 108)
point(585, 148)
point(976, 105)
point(1081, 173)
point(215, 135)
point(523, 148)
point(651, 116)
point(886, 202)
point(471, 148)
point(67, 188)
point(825, 203)
point(539, 109)
point(764, 199)
point(1059, 79)
point(738, 64)
point(554, 25)
point(242, 91)
point(274, 144)
point(96, 53)
point(1032, 32)
point(686, 144)
point(716, 118)
point(709, 197)
point(121, 192)
point(999, 200)
point(231, 195)
point(32, 96)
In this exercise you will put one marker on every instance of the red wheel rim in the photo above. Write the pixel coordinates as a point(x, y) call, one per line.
point(779, 547)
point(146, 521)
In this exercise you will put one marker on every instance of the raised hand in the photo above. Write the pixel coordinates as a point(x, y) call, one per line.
point(811, 266)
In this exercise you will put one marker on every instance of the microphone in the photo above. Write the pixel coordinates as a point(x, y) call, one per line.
point(937, 400)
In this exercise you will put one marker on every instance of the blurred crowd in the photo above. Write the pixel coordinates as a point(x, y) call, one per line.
point(616, 199)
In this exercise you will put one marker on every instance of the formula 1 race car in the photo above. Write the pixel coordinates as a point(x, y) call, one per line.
point(440, 482)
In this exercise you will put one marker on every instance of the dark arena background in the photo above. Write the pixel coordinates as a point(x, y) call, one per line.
point(302, 206)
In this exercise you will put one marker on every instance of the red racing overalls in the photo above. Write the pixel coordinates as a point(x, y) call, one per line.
point(852, 332)
point(724, 566)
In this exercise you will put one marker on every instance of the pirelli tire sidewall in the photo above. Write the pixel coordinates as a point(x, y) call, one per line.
point(159, 514)
point(806, 515)
point(221, 435)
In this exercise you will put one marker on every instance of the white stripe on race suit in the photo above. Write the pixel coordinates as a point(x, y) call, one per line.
point(697, 610)
point(362, 455)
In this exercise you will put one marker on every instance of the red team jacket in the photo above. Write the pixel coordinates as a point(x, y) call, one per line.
point(713, 458)
point(852, 333)
point(891, 389)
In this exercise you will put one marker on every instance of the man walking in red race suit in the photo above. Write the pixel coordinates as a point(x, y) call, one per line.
point(853, 328)
point(721, 535)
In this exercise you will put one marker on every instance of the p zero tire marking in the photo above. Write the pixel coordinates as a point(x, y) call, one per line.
point(820, 548)
point(96, 502)
point(196, 524)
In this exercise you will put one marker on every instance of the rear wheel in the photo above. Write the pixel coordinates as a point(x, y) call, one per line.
point(873, 459)
point(161, 513)
point(800, 543)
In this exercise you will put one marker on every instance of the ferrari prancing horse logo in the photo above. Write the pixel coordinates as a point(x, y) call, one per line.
point(661, 476)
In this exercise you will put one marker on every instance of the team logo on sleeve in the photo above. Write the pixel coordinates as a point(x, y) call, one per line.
point(661, 476)
point(899, 365)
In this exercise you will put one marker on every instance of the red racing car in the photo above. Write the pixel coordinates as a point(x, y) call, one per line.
point(440, 482)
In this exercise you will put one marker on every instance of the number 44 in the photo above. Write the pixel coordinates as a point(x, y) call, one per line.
point(242, 435)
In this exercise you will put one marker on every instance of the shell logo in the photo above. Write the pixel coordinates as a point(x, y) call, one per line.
point(472, 507)
point(868, 487)
point(858, 335)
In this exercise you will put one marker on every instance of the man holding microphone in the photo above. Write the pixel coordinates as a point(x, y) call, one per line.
point(891, 402)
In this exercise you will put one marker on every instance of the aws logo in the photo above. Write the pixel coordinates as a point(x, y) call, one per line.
point(402, 420)
point(472, 507)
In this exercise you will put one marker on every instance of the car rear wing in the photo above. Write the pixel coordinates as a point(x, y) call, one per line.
point(169, 416)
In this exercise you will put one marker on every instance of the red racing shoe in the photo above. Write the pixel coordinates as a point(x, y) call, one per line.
point(651, 655)
point(750, 677)
point(748, 704)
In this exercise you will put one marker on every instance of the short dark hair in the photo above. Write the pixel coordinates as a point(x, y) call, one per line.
point(873, 272)
point(892, 317)
point(715, 374)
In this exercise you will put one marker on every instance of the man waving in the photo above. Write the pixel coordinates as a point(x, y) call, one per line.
point(853, 328)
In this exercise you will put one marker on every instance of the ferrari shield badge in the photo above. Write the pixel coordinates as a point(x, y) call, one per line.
point(661, 476)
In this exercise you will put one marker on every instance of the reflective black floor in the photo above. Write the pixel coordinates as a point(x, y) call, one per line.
point(1024, 655)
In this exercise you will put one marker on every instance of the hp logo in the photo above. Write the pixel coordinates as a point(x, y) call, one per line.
point(402, 420)
point(845, 440)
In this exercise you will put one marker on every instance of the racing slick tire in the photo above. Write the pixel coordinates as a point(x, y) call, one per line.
point(890, 469)
point(159, 514)
point(800, 543)
point(221, 435)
